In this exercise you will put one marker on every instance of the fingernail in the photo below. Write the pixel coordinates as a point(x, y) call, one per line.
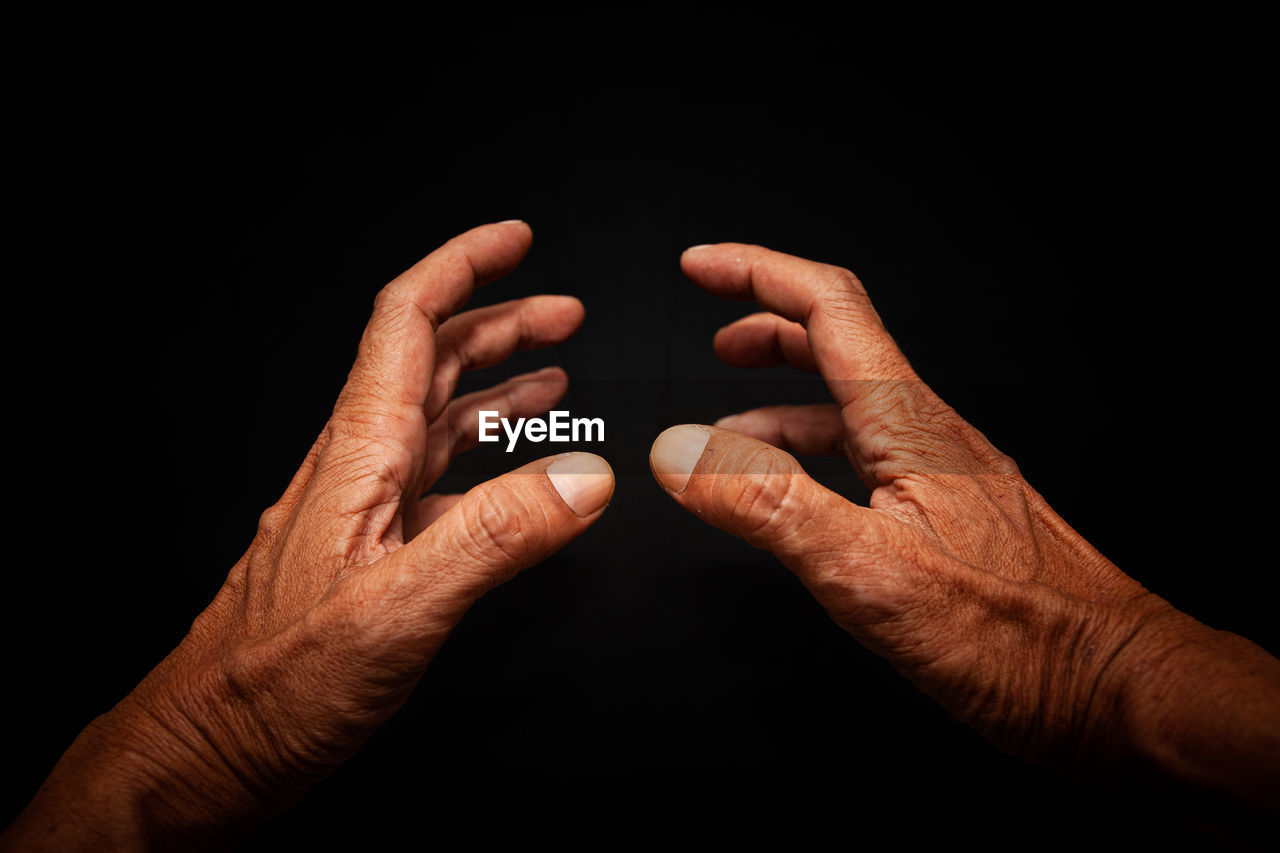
point(676, 453)
point(697, 247)
point(584, 481)
point(512, 222)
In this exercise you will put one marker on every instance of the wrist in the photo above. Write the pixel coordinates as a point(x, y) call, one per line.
point(1190, 712)
point(106, 793)
point(95, 798)
point(190, 747)
point(142, 775)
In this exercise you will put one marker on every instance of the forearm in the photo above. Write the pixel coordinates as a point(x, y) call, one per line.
point(92, 799)
point(1203, 708)
point(126, 784)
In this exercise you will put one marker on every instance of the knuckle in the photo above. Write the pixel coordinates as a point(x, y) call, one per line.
point(236, 586)
point(838, 287)
point(455, 261)
point(913, 425)
point(760, 498)
point(394, 317)
point(1003, 464)
point(368, 463)
point(953, 437)
point(499, 526)
point(271, 522)
point(843, 279)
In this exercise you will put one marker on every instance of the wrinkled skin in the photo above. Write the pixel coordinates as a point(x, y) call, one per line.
point(350, 585)
point(959, 572)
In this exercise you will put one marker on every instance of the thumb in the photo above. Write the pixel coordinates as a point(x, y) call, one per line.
point(498, 528)
point(760, 493)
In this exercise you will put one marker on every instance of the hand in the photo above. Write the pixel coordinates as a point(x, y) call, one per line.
point(958, 572)
point(352, 581)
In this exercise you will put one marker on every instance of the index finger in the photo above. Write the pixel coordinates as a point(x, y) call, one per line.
point(396, 359)
point(893, 423)
point(376, 441)
point(848, 339)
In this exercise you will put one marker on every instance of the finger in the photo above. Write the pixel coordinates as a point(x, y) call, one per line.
point(523, 396)
point(486, 336)
point(846, 335)
point(761, 494)
point(376, 439)
point(433, 506)
point(895, 425)
point(815, 430)
point(457, 430)
point(495, 530)
point(763, 340)
point(884, 581)
point(396, 359)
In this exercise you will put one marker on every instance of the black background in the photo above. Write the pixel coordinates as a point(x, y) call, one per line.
point(1054, 213)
